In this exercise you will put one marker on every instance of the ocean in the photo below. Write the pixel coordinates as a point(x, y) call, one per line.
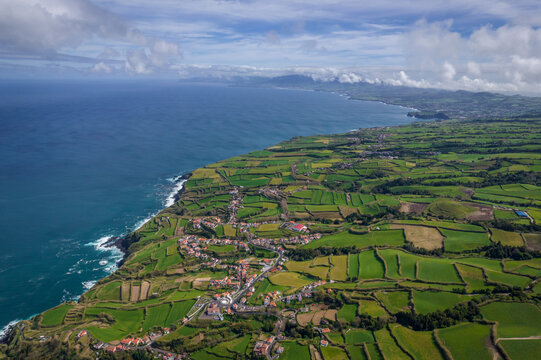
point(81, 161)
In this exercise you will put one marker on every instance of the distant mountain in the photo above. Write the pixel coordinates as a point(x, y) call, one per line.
point(430, 103)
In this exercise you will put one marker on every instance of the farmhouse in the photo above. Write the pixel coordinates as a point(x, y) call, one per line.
point(522, 214)
point(261, 348)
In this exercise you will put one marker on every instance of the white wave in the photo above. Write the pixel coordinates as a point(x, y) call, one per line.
point(100, 243)
point(88, 284)
point(140, 223)
point(103, 262)
point(5, 330)
point(179, 184)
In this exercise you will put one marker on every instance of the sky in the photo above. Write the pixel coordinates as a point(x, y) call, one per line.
point(477, 45)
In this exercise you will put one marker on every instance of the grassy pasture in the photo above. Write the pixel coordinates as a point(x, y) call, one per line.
point(454, 337)
point(168, 261)
point(353, 267)
point(356, 352)
point(514, 319)
point(388, 346)
point(229, 231)
point(374, 352)
point(391, 260)
point(507, 279)
point(294, 351)
point(307, 268)
point(156, 316)
point(431, 301)
point(506, 237)
point(505, 215)
point(473, 276)
point(407, 264)
point(512, 264)
point(436, 270)
point(370, 307)
point(348, 312)
point(418, 343)
point(126, 322)
point(266, 286)
point(339, 268)
point(333, 353)
point(178, 311)
point(56, 315)
point(521, 349)
point(394, 301)
point(335, 337)
point(457, 241)
point(343, 239)
point(110, 291)
point(370, 267)
point(354, 336)
point(292, 280)
point(489, 264)
point(446, 208)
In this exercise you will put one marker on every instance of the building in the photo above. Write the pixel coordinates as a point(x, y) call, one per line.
point(323, 343)
point(213, 309)
point(261, 348)
point(521, 214)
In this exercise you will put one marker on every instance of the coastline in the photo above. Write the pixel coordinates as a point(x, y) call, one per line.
point(114, 244)
point(119, 242)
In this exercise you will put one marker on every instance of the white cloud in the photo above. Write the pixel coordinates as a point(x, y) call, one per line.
point(45, 26)
point(449, 71)
point(137, 62)
point(101, 68)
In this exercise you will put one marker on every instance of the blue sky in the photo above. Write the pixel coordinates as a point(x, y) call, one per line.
point(457, 44)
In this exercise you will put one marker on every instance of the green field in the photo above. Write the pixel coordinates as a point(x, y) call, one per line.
point(125, 322)
point(359, 336)
point(388, 346)
point(348, 312)
point(370, 307)
point(332, 353)
point(370, 267)
point(294, 351)
point(454, 339)
point(353, 267)
point(339, 270)
point(56, 315)
point(431, 301)
point(506, 237)
point(291, 280)
point(457, 241)
point(383, 237)
point(514, 319)
point(521, 349)
point(420, 344)
point(356, 352)
point(394, 301)
point(436, 270)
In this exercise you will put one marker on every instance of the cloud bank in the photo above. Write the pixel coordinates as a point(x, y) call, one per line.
point(455, 44)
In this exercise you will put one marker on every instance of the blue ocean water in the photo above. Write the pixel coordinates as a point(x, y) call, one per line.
point(84, 160)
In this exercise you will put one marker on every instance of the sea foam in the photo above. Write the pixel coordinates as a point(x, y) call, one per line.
point(6, 329)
